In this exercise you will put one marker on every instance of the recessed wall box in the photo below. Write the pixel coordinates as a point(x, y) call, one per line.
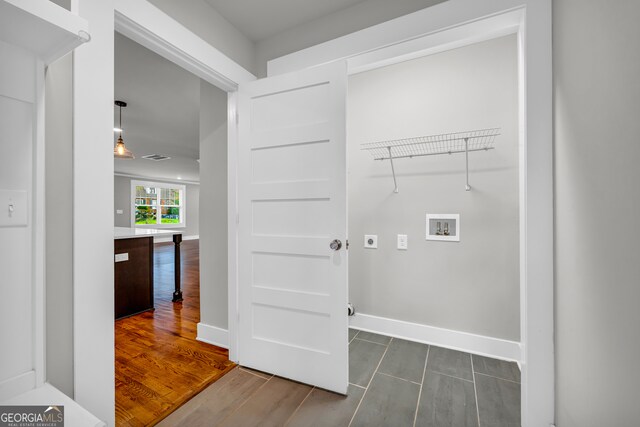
point(445, 227)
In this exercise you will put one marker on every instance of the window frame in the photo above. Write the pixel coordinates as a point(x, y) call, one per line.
point(159, 185)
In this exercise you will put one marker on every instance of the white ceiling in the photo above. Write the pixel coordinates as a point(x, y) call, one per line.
point(162, 115)
point(260, 19)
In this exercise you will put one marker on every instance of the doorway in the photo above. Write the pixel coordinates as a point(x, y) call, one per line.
point(175, 125)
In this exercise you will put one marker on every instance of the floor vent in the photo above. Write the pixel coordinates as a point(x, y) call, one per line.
point(156, 157)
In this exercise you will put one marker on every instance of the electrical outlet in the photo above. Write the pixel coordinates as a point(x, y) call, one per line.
point(402, 242)
point(119, 211)
point(371, 241)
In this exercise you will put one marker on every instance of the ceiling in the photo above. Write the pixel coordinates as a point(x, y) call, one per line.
point(267, 18)
point(162, 115)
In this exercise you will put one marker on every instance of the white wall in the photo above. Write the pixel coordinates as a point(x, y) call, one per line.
point(470, 286)
point(208, 24)
point(597, 150)
point(122, 200)
point(357, 17)
point(213, 206)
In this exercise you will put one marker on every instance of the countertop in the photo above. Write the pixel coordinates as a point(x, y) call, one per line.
point(132, 233)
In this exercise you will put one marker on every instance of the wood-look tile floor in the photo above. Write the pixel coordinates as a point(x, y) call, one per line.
point(394, 383)
point(159, 364)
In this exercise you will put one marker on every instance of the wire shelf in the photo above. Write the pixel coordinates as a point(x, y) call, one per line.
point(447, 143)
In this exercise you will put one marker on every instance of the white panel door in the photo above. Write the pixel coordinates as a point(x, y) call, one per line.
point(292, 205)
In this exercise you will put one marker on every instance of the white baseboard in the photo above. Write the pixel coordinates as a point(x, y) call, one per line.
point(463, 341)
point(170, 239)
point(17, 385)
point(213, 335)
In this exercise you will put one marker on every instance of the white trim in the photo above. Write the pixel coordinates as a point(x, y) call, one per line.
point(233, 219)
point(213, 335)
point(170, 239)
point(532, 18)
point(39, 234)
point(471, 343)
point(17, 385)
point(147, 25)
point(150, 178)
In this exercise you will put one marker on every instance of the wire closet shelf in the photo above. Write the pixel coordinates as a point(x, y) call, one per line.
point(448, 143)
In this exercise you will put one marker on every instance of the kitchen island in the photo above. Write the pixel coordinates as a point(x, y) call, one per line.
point(133, 267)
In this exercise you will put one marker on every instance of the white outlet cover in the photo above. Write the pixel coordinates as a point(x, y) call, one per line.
point(371, 241)
point(402, 242)
point(119, 211)
point(122, 257)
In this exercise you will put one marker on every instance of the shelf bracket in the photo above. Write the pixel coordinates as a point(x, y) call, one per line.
point(393, 171)
point(466, 155)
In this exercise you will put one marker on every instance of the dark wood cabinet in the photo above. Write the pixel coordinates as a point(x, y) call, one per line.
point(134, 277)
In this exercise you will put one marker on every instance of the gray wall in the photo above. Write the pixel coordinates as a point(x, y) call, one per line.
point(59, 225)
point(597, 201)
point(212, 27)
point(470, 286)
point(59, 222)
point(213, 206)
point(122, 196)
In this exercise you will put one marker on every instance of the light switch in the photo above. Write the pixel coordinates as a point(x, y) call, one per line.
point(122, 257)
point(371, 241)
point(14, 208)
point(402, 242)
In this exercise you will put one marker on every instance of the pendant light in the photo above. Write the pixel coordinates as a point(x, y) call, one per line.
point(120, 151)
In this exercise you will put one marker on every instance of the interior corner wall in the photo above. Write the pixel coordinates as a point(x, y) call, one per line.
point(204, 21)
point(596, 56)
point(122, 201)
point(59, 224)
point(213, 207)
point(469, 286)
point(356, 17)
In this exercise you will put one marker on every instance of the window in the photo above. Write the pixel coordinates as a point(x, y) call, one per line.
point(157, 204)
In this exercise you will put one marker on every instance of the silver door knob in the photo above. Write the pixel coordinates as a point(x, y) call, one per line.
point(335, 245)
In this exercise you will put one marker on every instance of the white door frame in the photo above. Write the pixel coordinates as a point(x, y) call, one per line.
point(450, 25)
point(400, 38)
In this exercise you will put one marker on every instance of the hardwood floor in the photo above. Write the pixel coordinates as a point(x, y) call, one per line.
point(159, 364)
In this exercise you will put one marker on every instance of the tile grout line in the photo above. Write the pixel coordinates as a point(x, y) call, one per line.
point(359, 386)
point(424, 372)
point(475, 389)
point(354, 337)
point(367, 388)
point(372, 342)
point(398, 378)
point(299, 406)
point(452, 376)
point(248, 398)
point(498, 378)
point(254, 374)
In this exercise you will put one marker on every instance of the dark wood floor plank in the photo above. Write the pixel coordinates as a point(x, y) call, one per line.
point(450, 362)
point(159, 363)
point(216, 402)
point(326, 409)
point(446, 402)
point(271, 406)
point(404, 359)
point(496, 368)
point(498, 401)
point(388, 402)
point(364, 357)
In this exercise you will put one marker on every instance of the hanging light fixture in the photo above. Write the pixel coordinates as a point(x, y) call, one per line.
point(120, 151)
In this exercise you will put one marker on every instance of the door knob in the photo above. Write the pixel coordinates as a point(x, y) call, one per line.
point(335, 245)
